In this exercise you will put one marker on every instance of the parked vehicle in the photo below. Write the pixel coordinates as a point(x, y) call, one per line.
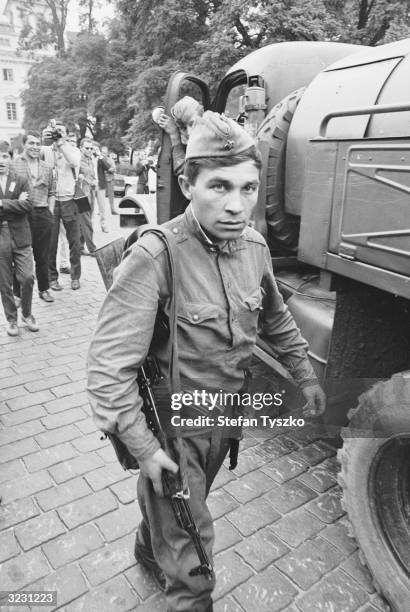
point(123, 184)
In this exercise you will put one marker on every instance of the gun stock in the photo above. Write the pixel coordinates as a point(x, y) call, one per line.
point(108, 258)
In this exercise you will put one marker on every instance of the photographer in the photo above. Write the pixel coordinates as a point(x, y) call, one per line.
point(60, 155)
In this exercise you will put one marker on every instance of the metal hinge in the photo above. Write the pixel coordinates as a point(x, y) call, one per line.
point(347, 251)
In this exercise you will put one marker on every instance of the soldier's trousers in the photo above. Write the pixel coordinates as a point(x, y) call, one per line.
point(172, 547)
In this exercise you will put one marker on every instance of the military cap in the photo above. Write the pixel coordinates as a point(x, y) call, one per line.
point(214, 135)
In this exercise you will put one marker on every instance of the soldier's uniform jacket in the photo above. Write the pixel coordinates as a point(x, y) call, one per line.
point(224, 293)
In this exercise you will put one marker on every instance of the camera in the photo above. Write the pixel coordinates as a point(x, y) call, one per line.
point(52, 133)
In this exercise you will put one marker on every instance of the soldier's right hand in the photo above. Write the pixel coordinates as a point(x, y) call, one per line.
point(168, 124)
point(153, 466)
point(23, 196)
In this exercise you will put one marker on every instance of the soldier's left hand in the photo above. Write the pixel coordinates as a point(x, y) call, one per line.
point(316, 400)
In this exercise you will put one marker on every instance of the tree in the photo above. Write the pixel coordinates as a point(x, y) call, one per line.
point(120, 77)
point(50, 26)
point(88, 9)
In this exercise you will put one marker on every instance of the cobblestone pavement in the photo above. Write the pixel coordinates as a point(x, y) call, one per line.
point(68, 512)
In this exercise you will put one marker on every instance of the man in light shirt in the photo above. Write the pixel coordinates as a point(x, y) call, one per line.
point(65, 161)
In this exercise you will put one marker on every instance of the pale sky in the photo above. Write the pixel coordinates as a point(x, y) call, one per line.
point(103, 11)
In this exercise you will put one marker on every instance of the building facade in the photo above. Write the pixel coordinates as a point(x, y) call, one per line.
point(14, 67)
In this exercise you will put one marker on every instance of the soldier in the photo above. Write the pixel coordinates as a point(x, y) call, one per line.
point(226, 288)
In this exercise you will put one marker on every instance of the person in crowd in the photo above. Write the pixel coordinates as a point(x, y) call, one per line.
point(42, 191)
point(179, 126)
point(64, 159)
point(143, 168)
point(16, 254)
point(104, 167)
point(227, 291)
point(87, 181)
point(109, 178)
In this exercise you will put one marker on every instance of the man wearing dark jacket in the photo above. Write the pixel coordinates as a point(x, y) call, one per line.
point(16, 255)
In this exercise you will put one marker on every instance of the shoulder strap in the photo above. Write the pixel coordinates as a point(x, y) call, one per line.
point(167, 238)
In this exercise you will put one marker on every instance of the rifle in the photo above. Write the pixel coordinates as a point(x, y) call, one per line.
point(149, 378)
point(149, 375)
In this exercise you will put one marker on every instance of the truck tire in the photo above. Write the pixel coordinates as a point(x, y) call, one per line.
point(375, 478)
point(283, 229)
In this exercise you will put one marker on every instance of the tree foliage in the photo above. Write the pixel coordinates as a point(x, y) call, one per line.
point(50, 26)
point(120, 77)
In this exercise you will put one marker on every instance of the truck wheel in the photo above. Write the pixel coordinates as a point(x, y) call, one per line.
point(375, 477)
point(283, 230)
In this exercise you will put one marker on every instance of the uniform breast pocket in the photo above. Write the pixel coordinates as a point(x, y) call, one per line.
point(254, 300)
point(250, 310)
point(198, 315)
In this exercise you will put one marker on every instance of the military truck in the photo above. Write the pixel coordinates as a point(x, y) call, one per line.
point(333, 126)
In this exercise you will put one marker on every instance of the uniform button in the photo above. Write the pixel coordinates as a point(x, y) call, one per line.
point(175, 230)
point(195, 317)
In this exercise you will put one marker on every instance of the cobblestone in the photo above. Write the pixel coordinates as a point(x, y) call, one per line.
point(23, 570)
point(17, 512)
point(289, 496)
point(115, 595)
point(12, 470)
point(18, 403)
point(106, 562)
point(220, 503)
point(269, 591)
point(249, 486)
point(72, 545)
point(225, 535)
point(17, 449)
point(125, 491)
point(68, 582)
point(327, 507)
point(253, 516)
point(46, 458)
point(38, 530)
point(23, 487)
point(120, 522)
point(334, 592)
point(64, 418)
point(297, 526)
point(285, 468)
point(8, 546)
point(87, 508)
point(65, 403)
point(230, 571)
point(261, 549)
point(106, 476)
point(63, 494)
point(57, 436)
point(75, 467)
point(308, 563)
point(337, 534)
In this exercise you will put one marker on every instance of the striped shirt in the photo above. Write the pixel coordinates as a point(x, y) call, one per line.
point(42, 186)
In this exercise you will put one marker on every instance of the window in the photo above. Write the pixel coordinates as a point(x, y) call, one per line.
point(7, 74)
point(11, 111)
